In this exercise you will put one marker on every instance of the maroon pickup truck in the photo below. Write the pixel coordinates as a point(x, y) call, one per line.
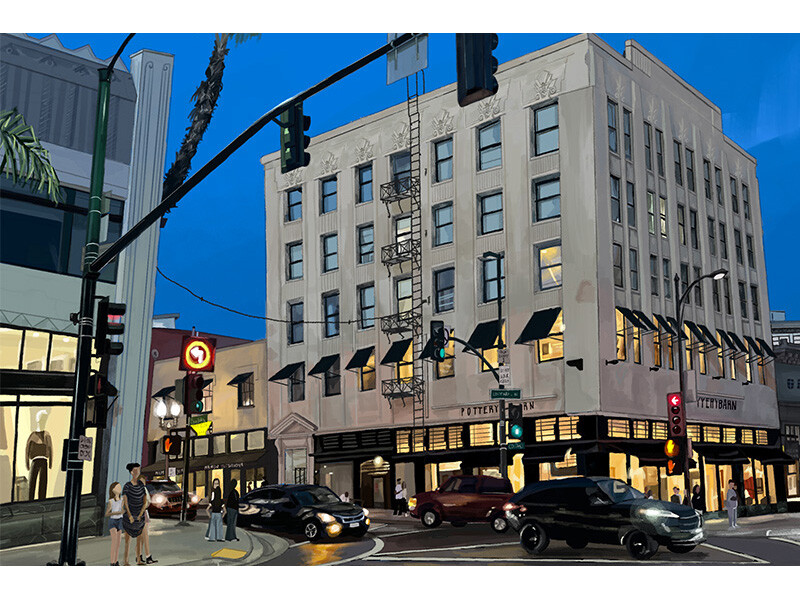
point(463, 499)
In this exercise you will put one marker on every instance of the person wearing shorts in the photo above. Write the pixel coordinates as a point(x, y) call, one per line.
point(114, 512)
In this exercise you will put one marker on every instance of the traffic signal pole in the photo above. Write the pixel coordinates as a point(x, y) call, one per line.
point(186, 451)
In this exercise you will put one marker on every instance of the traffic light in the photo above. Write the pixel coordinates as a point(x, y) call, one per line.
point(515, 421)
point(675, 447)
point(675, 451)
point(171, 445)
point(677, 416)
point(439, 341)
point(109, 322)
point(193, 402)
point(294, 141)
point(100, 388)
point(475, 66)
point(197, 354)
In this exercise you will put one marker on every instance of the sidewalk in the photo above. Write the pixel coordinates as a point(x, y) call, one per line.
point(170, 545)
point(777, 524)
point(384, 515)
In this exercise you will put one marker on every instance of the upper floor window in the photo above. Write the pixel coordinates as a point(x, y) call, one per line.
point(294, 260)
point(401, 171)
point(294, 328)
point(330, 309)
point(712, 236)
point(245, 392)
point(612, 126)
point(684, 277)
point(552, 347)
point(447, 368)
point(364, 184)
point(367, 374)
point(743, 299)
point(633, 258)
point(682, 224)
point(631, 198)
point(718, 184)
point(402, 229)
point(550, 267)
point(723, 242)
point(294, 205)
point(442, 224)
point(490, 210)
point(489, 150)
point(660, 151)
point(676, 148)
point(698, 290)
point(444, 285)
point(333, 379)
point(667, 275)
point(616, 211)
point(443, 152)
point(693, 229)
point(403, 294)
point(492, 281)
point(653, 275)
point(330, 252)
point(327, 201)
point(751, 258)
point(366, 306)
point(618, 272)
point(627, 133)
point(737, 238)
point(366, 244)
point(297, 384)
point(690, 169)
point(545, 129)
point(734, 196)
point(651, 212)
point(648, 146)
point(746, 201)
point(663, 215)
point(754, 302)
point(707, 178)
point(546, 199)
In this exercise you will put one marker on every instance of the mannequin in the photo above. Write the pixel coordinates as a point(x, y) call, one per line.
point(39, 456)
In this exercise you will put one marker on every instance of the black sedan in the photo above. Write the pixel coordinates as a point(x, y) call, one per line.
point(601, 510)
point(311, 509)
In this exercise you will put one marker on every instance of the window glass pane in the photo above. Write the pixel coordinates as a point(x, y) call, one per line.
point(10, 346)
point(548, 199)
point(219, 444)
point(255, 440)
point(365, 184)
point(552, 347)
point(490, 135)
point(550, 267)
point(34, 356)
point(237, 442)
point(21, 222)
point(63, 353)
point(547, 141)
point(200, 446)
point(547, 117)
point(445, 290)
point(443, 225)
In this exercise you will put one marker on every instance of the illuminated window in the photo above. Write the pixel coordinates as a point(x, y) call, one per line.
point(368, 374)
point(550, 267)
point(545, 430)
point(552, 347)
point(694, 432)
point(621, 352)
point(619, 428)
point(569, 461)
point(688, 347)
point(657, 347)
point(761, 437)
point(701, 360)
point(640, 429)
point(711, 434)
point(403, 442)
point(490, 354)
point(659, 431)
point(418, 437)
point(568, 428)
point(447, 368)
point(404, 368)
point(437, 438)
point(637, 345)
point(729, 435)
point(481, 434)
point(747, 436)
point(454, 440)
point(721, 355)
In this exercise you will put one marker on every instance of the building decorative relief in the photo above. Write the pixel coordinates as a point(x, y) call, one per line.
point(711, 151)
point(619, 91)
point(443, 123)
point(364, 151)
point(545, 85)
point(683, 132)
point(652, 110)
point(329, 164)
point(491, 107)
point(293, 178)
point(401, 138)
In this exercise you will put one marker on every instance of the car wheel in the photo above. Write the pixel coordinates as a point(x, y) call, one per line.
point(640, 545)
point(577, 543)
point(430, 518)
point(681, 549)
point(499, 524)
point(533, 538)
point(312, 530)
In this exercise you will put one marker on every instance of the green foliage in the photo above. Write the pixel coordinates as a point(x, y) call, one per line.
point(24, 158)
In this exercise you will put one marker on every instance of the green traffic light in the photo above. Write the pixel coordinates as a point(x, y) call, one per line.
point(442, 353)
point(516, 432)
point(197, 406)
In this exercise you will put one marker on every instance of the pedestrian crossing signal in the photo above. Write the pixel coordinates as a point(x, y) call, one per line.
point(171, 445)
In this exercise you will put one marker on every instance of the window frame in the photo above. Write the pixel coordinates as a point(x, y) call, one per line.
point(690, 180)
point(630, 199)
point(627, 134)
point(292, 323)
point(499, 279)
point(323, 197)
point(360, 257)
point(654, 276)
point(660, 152)
point(648, 146)
point(707, 179)
point(326, 255)
point(484, 149)
point(290, 263)
point(538, 200)
point(482, 214)
point(677, 150)
point(289, 205)
point(437, 161)
point(617, 262)
point(536, 132)
point(326, 327)
point(614, 195)
point(437, 227)
point(633, 267)
point(367, 322)
point(360, 183)
point(612, 110)
point(541, 268)
point(437, 291)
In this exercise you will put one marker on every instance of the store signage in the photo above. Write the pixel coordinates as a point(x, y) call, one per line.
point(201, 428)
point(84, 448)
point(490, 409)
point(173, 472)
point(716, 403)
point(510, 394)
point(223, 465)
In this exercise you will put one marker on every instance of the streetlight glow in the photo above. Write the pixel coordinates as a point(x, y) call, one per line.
point(719, 274)
point(161, 409)
point(175, 409)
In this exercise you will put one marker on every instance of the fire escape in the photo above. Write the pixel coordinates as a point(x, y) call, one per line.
point(404, 195)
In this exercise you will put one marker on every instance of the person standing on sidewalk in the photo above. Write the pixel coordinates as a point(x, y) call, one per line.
point(114, 511)
point(146, 531)
point(398, 495)
point(215, 510)
point(232, 512)
point(404, 500)
point(732, 504)
point(697, 500)
point(676, 495)
point(135, 504)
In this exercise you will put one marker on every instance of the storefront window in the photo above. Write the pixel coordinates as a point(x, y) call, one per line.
point(644, 478)
point(545, 430)
point(200, 446)
point(669, 483)
point(516, 473)
point(552, 347)
point(10, 346)
point(711, 481)
point(481, 434)
point(711, 434)
point(659, 431)
point(641, 430)
point(792, 487)
point(747, 436)
point(751, 485)
point(559, 470)
point(237, 442)
point(454, 440)
point(7, 418)
point(437, 438)
point(34, 354)
point(402, 441)
point(617, 466)
point(568, 428)
point(619, 428)
point(63, 353)
point(200, 483)
point(255, 440)
point(729, 435)
point(338, 477)
point(770, 474)
point(295, 465)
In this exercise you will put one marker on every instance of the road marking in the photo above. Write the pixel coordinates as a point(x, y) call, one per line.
point(743, 555)
point(474, 547)
point(298, 544)
point(388, 535)
point(364, 556)
point(782, 539)
point(768, 532)
point(423, 559)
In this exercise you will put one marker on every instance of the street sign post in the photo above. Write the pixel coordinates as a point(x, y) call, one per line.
point(516, 446)
point(406, 59)
point(504, 372)
point(508, 394)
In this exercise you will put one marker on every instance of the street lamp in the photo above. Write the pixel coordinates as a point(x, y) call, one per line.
point(679, 305)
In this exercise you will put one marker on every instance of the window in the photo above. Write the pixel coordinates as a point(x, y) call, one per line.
point(367, 374)
point(364, 184)
point(443, 155)
point(612, 126)
point(245, 392)
point(295, 324)
point(545, 129)
point(616, 211)
point(480, 434)
point(698, 291)
point(693, 229)
point(545, 430)
point(715, 294)
point(790, 384)
point(294, 205)
point(366, 306)
point(626, 132)
point(682, 224)
point(550, 267)
point(327, 202)
point(447, 368)
point(648, 146)
point(743, 300)
point(761, 437)
point(637, 345)
point(718, 184)
point(402, 229)
point(667, 274)
point(330, 252)
point(712, 236)
point(660, 151)
point(333, 379)
point(491, 213)
point(720, 352)
point(676, 149)
point(754, 302)
point(366, 244)
point(489, 149)
point(657, 345)
point(653, 275)
point(401, 171)
point(444, 287)
point(492, 279)
point(690, 169)
point(727, 289)
point(618, 428)
point(617, 255)
point(711, 434)
point(663, 213)
point(552, 347)
point(546, 199)
point(631, 198)
point(297, 384)
point(490, 354)
point(442, 224)
point(690, 343)
point(751, 259)
point(684, 277)
point(670, 356)
point(734, 196)
point(633, 258)
point(723, 242)
point(737, 240)
point(651, 212)
point(294, 260)
point(707, 178)
point(746, 201)
point(330, 308)
point(402, 291)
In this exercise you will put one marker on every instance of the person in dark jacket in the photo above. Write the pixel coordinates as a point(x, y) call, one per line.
point(215, 510)
point(232, 512)
point(698, 503)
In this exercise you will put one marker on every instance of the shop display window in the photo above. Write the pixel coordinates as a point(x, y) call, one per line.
point(402, 441)
point(761, 437)
point(711, 434)
point(454, 440)
point(481, 434)
point(729, 435)
point(8, 415)
point(437, 438)
point(34, 352)
point(255, 440)
point(668, 482)
point(792, 487)
point(770, 475)
point(568, 428)
point(558, 470)
point(617, 466)
point(545, 430)
point(643, 478)
point(641, 429)
point(338, 477)
point(516, 473)
point(63, 353)
point(659, 431)
point(619, 428)
point(712, 498)
point(10, 346)
point(747, 436)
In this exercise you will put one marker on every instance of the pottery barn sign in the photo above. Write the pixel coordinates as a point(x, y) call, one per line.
point(715, 403)
point(490, 409)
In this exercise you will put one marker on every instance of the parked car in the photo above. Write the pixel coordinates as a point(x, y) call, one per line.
point(462, 499)
point(583, 510)
point(311, 509)
point(166, 497)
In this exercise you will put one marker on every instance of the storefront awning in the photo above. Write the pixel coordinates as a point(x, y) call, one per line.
point(324, 363)
point(699, 337)
point(766, 347)
point(539, 325)
point(753, 345)
point(709, 336)
point(164, 392)
point(630, 317)
point(738, 342)
point(645, 320)
point(240, 378)
point(427, 351)
point(251, 458)
point(674, 324)
point(360, 358)
point(726, 339)
point(396, 352)
point(556, 451)
point(286, 371)
point(665, 324)
point(769, 456)
point(485, 335)
point(721, 454)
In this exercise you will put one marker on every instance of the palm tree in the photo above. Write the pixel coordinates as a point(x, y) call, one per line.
point(24, 158)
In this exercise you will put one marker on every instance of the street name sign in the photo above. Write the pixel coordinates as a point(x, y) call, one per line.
point(507, 394)
point(516, 446)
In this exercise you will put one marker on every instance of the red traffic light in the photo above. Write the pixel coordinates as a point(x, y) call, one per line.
point(674, 400)
point(197, 354)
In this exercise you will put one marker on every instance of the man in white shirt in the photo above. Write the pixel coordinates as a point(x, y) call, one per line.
point(732, 503)
point(398, 495)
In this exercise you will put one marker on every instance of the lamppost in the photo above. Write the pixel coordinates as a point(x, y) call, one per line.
point(497, 257)
point(166, 423)
point(715, 275)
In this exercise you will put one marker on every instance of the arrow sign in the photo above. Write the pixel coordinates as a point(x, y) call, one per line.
point(201, 428)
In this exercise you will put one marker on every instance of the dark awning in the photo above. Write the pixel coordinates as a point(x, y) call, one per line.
point(324, 363)
point(485, 335)
point(555, 451)
point(739, 343)
point(709, 336)
point(645, 320)
point(427, 351)
point(13, 382)
point(753, 345)
point(665, 324)
point(396, 352)
point(698, 333)
point(240, 378)
point(539, 325)
point(726, 339)
point(286, 371)
point(164, 392)
point(766, 347)
point(720, 454)
point(674, 324)
point(628, 314)
point(360, 358)
point(769, 456)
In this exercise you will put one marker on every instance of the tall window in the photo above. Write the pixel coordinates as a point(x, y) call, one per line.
point(666, 274)
point(637, 345)
point(294, 331)
point(737, 240)
point(631, 198)
point(693, 229)
point(490, 354)
point(545, 129)
point(366, 244)
point(402, 292)
point(612, 126)
point(492, 280)
point(754, 302)
point(546, 199)
point(491, 213)
point(684, 277)
point(364, 184)
point(723, 242)
point(333, 379)
point(330, 308)
point(720, 352)
point(681, 224)
point(327, 201)
point(622, 353)
point(727, 288)
point(712, 236)
point(617, 255)
point(657, 346)
point(698, 290)
point(746, 201)
point(550, 267)
point(676, 149)
point(743, 299)
point(616, 211)
point(330, 252)
point(707, 178)
point(444, 284)
point(245, 392)
point(294, 260)
point(715, 294)
point(690, 169)
point(718, 184)
point(552, 347)
point(653, 275)
point(442, 224)
point(443, 155)
point(297, 384)
point(404, 368)
point(366, 306)
point(490, 153)
point(663, 215)
point(690, 339)
point(660, 152)
point(294, 205)
point(751, 259)
point(651, 212)
point(633, 258)
point(402, 229)
point(627, 134)
point(401, 171)
point(734, 196)
point(367, 374)
point(648, 146)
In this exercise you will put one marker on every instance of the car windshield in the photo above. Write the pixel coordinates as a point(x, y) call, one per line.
point(619, 491)
point(317, 495)
point(162, 486)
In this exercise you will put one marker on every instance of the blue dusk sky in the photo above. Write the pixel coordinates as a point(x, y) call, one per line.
point(214, 241)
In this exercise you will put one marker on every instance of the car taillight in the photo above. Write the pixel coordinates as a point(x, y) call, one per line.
point(510, 506)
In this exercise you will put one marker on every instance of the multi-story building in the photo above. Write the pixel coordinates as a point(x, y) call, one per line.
point(783, 331)
point(55, 90)
point(599, 176)
point(786, 337)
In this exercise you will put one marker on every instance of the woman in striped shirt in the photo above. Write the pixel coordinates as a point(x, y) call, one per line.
point(136, 503)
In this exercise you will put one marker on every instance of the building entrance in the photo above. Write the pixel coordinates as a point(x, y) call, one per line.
point(376, 488)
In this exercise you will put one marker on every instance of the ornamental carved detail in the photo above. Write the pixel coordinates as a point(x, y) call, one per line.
point(329, 164)
point(683, 132)
point(364, 151)
point(491, 107)
point(443, 123)
point(711, 151)
point(402, 138)
point(619, 91)
point(652, 110)
point(545, 86)
point(293, 178)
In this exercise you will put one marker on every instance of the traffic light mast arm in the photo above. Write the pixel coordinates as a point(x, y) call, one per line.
point(472, 350)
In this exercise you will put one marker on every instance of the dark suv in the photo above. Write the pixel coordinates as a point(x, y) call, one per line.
point(462, 499)
point(601, 510)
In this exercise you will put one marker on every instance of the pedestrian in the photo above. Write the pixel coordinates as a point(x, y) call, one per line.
point(398, 495)
point(698, 503)
point(345, 497)
point(676, 495)
point(114, 512)
point(146, 531)
point(232, 512)
point(732, 504)
point(135, 504)
point(215, 510)
point(686, 498)
point(404, 501)
point(648, 494)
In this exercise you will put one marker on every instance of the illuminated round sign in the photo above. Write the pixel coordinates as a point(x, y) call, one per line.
point(671, 449)
point(198, 354)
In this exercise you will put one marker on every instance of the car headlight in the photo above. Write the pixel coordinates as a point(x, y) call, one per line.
point(366, 512)
point(658, 513)
point(326, 518)
point(159, 499)
point(412, 504)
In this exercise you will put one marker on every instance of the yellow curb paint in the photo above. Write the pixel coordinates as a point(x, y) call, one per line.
point(229, 553)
